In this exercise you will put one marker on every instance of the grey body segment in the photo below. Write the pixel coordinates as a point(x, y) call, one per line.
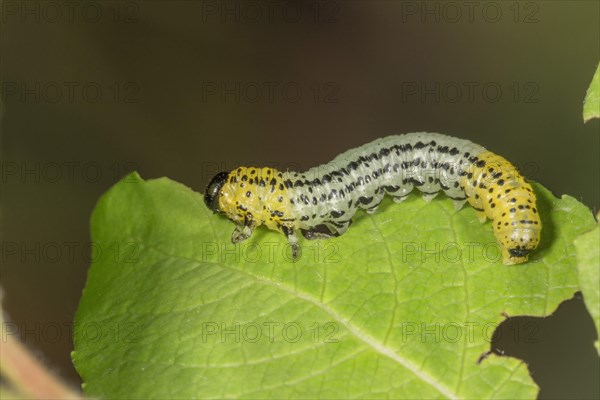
point(330, 194)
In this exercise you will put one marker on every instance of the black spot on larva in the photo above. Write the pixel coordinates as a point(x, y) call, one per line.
point(480, 164)
point(416, 182)
point(248, 193)
point(337, 214)
point(365, 200)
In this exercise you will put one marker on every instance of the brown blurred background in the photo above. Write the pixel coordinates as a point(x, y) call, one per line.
point(93, 90)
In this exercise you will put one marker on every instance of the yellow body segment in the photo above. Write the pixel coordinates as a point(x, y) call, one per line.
point(256, 196)
point(499, 192)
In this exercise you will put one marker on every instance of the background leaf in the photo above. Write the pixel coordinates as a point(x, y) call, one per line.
point(591, 105)
point(588, 265)
point(401, 306)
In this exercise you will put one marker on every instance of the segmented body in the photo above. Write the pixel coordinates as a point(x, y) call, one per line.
point(322, 201)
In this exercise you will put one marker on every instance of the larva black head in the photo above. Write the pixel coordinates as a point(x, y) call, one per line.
point(211, 194)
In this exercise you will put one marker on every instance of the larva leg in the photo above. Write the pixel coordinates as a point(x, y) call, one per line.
point(372, 209)
point(290, 234)
point(458, 204)
point(318, 232)
point(429, 196)
point(399, 199)
point(481, 216)
point(339, 227)
point(241, 233)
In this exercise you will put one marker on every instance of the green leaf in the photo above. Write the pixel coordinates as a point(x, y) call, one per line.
point(588, 265)
point(401, 306)
point(591, 105)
